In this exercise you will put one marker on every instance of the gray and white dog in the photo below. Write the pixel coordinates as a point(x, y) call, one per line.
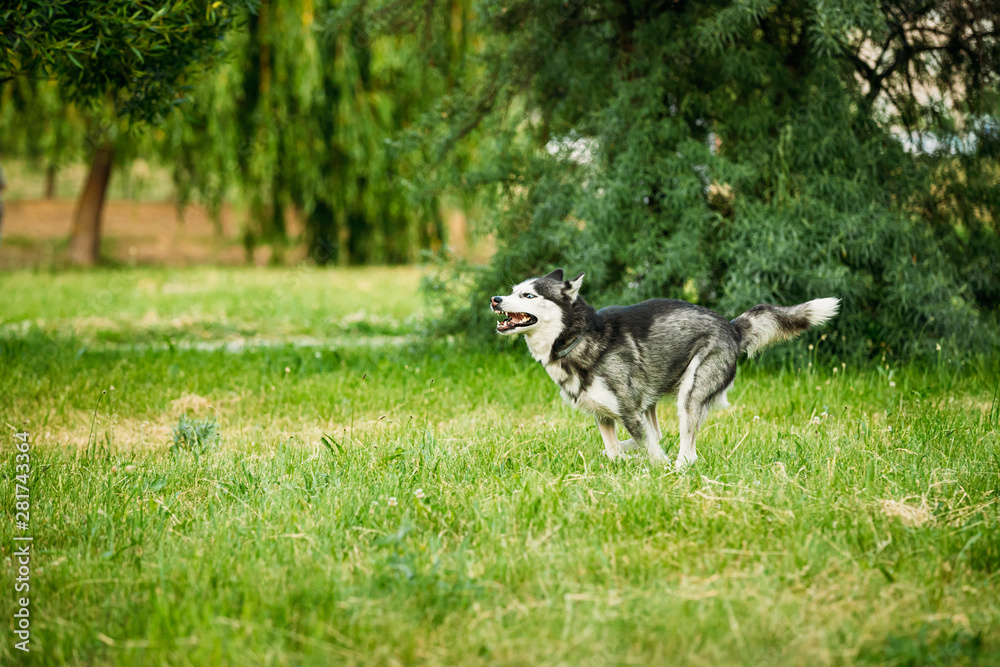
point(617, 362)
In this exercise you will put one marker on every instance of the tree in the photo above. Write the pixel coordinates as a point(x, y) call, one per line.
point(736, 153)
point(37, 125)
point(308, 114)
point(131, 57)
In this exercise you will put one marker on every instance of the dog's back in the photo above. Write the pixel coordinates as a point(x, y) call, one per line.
point(666, 334)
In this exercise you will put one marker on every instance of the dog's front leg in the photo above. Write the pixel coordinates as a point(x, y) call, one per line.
point(607, 428)
point(653, 422)
point(636, 425)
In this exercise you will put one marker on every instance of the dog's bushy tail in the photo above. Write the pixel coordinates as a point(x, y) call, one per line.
point(765, 324)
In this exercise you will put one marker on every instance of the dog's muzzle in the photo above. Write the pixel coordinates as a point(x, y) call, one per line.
point(511, 321)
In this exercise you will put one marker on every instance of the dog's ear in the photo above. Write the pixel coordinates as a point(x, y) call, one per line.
point(572, 287)
point(556, 275)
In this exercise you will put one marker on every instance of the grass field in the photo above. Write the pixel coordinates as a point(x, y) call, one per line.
point(379, 498)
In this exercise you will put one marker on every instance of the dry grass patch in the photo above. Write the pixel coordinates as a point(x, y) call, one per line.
point(913, 515)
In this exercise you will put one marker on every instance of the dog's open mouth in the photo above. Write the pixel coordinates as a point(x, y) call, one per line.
point(514, 320)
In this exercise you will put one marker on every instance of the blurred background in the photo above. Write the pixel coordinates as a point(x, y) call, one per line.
point(724, 153)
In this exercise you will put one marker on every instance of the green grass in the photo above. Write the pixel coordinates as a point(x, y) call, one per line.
point(211, 305)
point(870, 537)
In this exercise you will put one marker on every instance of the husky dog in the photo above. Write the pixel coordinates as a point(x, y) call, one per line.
point(617, 362)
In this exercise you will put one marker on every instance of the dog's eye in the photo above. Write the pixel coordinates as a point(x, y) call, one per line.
point(528, 295)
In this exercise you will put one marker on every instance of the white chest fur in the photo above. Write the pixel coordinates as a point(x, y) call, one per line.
point(567, 382)
point(596, 398)
point(541, 338)
point(599, 399)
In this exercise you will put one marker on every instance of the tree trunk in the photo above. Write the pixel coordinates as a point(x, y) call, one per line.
point(323, 232)
point(50, 182)
point(85, 241)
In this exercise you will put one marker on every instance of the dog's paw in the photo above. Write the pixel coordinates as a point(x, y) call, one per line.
point(619, 455)
point(683, 463)
point(629, 445)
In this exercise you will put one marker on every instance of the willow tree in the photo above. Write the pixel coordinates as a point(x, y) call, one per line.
point(40, 126)
point(307, 114)
point(129, 58)
point(733, 153)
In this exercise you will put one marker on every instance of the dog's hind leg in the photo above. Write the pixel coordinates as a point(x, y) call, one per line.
point(707, 377)
point(721, 401)
point(638, 428)
point(690, 422)
point(631, 445)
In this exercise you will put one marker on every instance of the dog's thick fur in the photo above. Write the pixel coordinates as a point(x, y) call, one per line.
point(617, 362)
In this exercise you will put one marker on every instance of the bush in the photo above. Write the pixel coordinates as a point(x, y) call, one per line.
point(734, 155)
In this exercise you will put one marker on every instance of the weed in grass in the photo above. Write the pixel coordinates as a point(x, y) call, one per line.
point(195, 436)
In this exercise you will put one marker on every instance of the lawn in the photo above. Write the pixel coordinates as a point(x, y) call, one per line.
point(376, 496)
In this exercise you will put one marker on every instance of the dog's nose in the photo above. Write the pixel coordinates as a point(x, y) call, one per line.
point(496, 300)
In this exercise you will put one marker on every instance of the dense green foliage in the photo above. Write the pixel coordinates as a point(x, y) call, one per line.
point(38, 124)
point(737, 153)
point(370, 502)
point(306, 114)
point(136, 54)
point(45, 125)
